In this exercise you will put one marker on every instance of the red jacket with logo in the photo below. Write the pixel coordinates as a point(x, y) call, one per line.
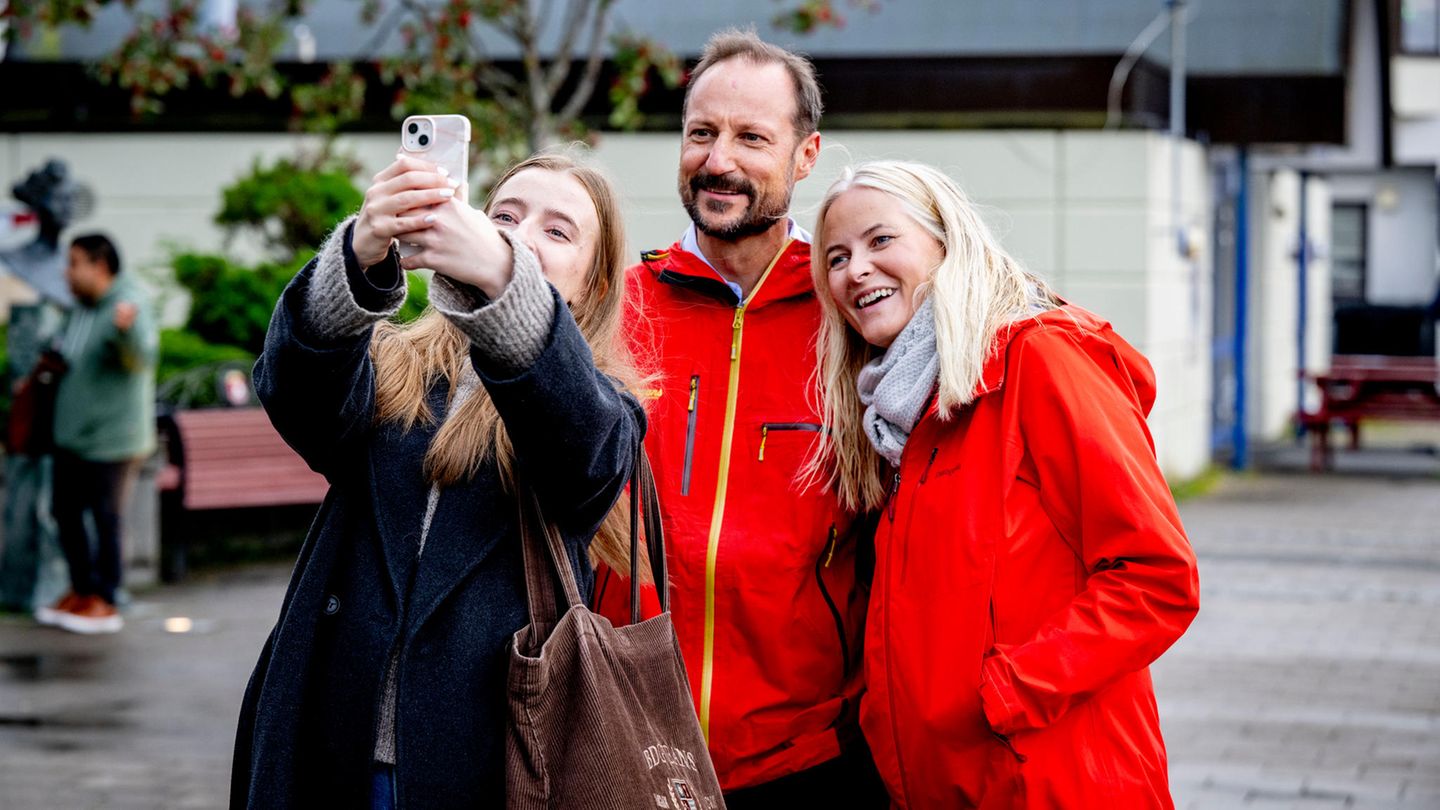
point(764, 589)
point(1030, 564)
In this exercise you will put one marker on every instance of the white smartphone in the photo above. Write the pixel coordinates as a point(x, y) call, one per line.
point(441, 139)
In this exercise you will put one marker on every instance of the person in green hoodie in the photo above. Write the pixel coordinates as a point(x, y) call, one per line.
point(104, 427)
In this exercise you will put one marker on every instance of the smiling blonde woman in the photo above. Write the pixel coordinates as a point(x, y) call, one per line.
point(1030, 560)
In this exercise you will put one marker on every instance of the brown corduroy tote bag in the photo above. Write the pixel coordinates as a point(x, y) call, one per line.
point(600, 716)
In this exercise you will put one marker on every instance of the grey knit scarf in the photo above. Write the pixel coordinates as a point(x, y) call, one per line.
point(896, 387)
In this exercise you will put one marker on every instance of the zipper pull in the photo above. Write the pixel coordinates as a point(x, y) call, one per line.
point(928, 464)
point(829, 555)
point(894, 491)
point(735, 338)
point(764, 433)
point(694, 392)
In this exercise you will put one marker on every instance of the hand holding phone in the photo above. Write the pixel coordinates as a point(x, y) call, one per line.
point(418, 200)
point(443, 140)
point(430, 168)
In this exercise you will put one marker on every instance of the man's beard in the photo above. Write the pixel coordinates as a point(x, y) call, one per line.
point(758, 217)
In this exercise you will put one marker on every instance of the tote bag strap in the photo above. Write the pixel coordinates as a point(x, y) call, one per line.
point(642, 490)
point(540, 539)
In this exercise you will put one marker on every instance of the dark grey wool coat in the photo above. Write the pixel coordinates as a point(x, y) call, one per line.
point(308, 722)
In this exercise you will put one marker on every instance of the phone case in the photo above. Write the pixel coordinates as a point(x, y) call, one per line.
point(450, 148)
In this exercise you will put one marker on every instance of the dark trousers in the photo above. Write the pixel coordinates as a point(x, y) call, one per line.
point(101, 489)
point(849, 780)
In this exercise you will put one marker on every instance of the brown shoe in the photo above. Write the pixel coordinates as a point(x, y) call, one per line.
point(50, 615)
point(92, 615)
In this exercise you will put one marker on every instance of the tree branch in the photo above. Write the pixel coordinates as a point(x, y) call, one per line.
point(383, 29)
point(560, 65)
point(501, 84)
point(593, 62)
point(418, 9)
point(539, 124)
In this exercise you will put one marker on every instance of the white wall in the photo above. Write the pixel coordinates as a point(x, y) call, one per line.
point(1274, 342)
point(1319, 334)
point(1417, 142)
point(1415, 87)
point(1090, 211)
point(1362, 102)
point(1401, 232)
point(1273, 306)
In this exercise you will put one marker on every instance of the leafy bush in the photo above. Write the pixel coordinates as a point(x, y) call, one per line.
point(188, 367)
point(293, 205)
point(229, 303)
point(181, 351)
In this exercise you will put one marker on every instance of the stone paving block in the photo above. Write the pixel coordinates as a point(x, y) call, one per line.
point(1363, 791)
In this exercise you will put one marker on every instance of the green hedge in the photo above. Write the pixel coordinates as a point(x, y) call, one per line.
point(229, 303)
point(293, 205)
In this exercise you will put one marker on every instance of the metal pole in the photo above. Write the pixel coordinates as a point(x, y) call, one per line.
point(1177, 119)
point(1177, 68)
point(1240, 459)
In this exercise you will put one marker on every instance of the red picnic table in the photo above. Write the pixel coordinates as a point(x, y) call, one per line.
point(1367, 386)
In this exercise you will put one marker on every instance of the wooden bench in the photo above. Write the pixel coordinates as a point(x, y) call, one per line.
point(1359, 387)
point(226, 458)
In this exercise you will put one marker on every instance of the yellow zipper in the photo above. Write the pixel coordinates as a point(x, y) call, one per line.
point(712, 549)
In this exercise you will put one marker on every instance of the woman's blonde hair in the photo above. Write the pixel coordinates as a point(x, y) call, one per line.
point(977, 289)
point(409, 359)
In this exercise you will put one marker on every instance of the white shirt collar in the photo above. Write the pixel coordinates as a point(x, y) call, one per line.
point(690, 243)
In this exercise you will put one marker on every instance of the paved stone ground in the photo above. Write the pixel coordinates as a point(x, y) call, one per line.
point(1310, 680)
point(143, 719)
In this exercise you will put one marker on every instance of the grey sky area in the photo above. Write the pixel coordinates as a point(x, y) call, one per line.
point(1226, 36)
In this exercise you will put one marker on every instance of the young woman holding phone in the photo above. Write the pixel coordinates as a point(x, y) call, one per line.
point(384, 679)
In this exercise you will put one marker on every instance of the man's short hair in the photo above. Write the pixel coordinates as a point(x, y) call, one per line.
point(735, 43)
point(99, 248)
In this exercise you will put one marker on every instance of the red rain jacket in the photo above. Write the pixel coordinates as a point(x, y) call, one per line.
point(1030, 564)
point(765, 596)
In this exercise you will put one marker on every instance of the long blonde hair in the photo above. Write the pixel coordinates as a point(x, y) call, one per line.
point(977, 289)
point(409, 359)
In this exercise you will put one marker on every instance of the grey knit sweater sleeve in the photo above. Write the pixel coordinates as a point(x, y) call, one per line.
point(511, 331)
point(332, 311)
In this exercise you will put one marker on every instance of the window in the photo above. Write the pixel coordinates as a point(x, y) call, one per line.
point(1420, 27)
point(1347, 253)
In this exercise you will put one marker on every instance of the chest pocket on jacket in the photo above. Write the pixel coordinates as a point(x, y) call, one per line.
point(787, 445)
